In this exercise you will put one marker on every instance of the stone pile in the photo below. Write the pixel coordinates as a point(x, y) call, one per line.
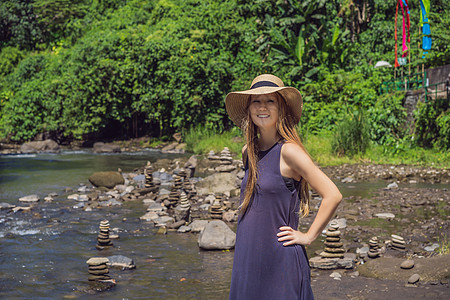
point(333, 245)
point(226, 161)
point(225, 157)
point(174, 197)
point(149, 184)
point(177, 182)
point(216, 209)
point(189, 189)
point(184, 202)
point(98, 269)
point(213, 156)
point(374, 248)
point(103, 240)
point(398, 242)
point(182, 174)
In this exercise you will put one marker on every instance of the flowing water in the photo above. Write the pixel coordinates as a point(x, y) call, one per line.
point(43, 253)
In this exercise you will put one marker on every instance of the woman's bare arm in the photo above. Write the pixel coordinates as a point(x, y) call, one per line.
point(297, 163)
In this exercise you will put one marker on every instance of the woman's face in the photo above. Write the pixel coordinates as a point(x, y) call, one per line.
point(264, 110)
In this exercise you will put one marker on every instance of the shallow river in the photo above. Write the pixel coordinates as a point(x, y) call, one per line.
point(43, 253)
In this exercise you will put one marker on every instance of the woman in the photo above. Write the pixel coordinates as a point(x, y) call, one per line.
point(270, 259)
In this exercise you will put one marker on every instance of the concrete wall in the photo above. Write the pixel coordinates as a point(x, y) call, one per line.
point(438, 75)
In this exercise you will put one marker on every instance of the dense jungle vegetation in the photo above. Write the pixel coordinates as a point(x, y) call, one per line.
point(104, 69)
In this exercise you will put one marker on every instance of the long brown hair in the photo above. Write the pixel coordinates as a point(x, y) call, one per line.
point(286, 130)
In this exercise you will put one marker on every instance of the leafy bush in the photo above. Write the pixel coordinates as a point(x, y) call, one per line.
point(387, 119)
point(431, 127)
point(351, 135)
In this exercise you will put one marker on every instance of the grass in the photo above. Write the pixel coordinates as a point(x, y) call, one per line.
point(201, 141)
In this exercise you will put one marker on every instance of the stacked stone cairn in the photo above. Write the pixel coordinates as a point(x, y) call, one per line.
point(333, 245)
point(216, 209)
point(177, 182)
point(184, 201)
point(398, 242)
point(98, 269)
point(149, 184)
point(103, 240)
point(174, 197)
point(225, 157)
point(189, 189)
point(213, 156)
point(226, 161)
point(374, 248)
point(182, 174)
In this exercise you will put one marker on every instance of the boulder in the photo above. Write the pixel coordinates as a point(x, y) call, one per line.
point(101, 147)
point(216, 236)
point(198, 225)
point(217, 183)
point(121, 261)
point(40, 146)
point(106, 179)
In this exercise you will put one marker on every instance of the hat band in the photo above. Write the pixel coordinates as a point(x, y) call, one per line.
point(263, 83)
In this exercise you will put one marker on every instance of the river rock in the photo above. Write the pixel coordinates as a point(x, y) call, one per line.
point(150, 216)
point(120, 261)
point(385, 216)
point(101, 147)
point(40, 146)
point(106, 179)
point(407, 264)
point(391, 186)
point(414, 278)
point(30, 198)
point(73, 197)
point(217, 236)
point(5, 205)
point(331, 263)
point(184, 229)
point(218, 183)
point(198, 225)
point(96, 261)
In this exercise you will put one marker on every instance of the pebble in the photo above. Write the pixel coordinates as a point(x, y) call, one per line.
point(407, 264)
point(393, 185)
point(414, 278)
point(336, 275)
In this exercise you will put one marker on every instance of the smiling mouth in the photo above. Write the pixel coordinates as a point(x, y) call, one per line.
point(262, 116)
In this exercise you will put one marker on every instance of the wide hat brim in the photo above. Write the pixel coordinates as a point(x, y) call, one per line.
point(236, 102)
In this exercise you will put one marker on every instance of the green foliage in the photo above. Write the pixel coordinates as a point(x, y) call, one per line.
point(19, 26)
point(9, 58)
point(128, 68)
point(443, 123)
point(387, 119)
point(351, 135)
point(201, 140)
point(431, 127)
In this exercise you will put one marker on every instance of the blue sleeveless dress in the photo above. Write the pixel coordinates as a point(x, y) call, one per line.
point(263, 268)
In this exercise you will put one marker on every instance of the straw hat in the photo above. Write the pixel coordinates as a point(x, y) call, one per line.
point(236, 102)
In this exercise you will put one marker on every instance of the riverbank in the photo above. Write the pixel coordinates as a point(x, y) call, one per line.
point(200, 142)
